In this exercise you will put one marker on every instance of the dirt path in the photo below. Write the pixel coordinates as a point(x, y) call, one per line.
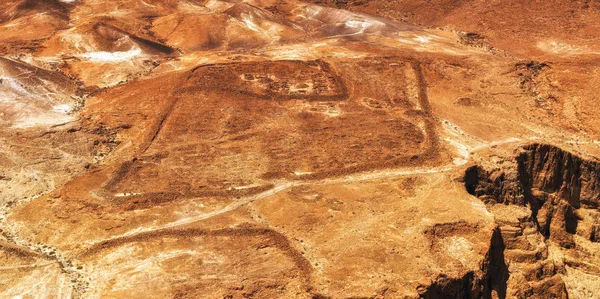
point(78, 281)
point(18, 267)
point(14, 242)
point(280, 186)
point(278, 240)
point(285, 185)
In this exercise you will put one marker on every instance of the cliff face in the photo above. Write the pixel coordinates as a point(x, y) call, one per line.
point(489, 282)
point(298, 149)
point(558, 188)
point(550, 170)
point(499, 185)
point(553, 182)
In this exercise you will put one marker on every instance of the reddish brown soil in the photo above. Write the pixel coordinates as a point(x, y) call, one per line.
point(287, 149)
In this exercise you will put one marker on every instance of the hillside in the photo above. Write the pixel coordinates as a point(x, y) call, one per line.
point(288, 149)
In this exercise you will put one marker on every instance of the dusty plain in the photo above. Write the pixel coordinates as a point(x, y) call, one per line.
point(289, 149)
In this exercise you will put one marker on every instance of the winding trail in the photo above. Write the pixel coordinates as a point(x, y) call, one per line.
point(78, 281)
point(433, 140)
point(285, 185)
point(464, 143)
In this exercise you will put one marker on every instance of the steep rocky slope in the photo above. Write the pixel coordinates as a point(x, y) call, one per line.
point(560, 190)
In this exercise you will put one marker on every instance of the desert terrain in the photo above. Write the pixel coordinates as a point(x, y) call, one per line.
point(299, 149)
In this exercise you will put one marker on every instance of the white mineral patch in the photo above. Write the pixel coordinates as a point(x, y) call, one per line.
point(63, 108)
point(299, 173)
point(43, 119)
point(268, 29)
point(15, 86)
point(461, 249)
point(423, 39)
point(111, 56)
point(127, 194)
point(250, 23)
point(361, 25)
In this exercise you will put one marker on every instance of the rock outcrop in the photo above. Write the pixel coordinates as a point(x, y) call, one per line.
point(299, 149)
point(489, 282)
point(551, 181)
point(554, 184)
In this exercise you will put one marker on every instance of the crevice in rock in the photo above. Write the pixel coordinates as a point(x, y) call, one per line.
point(554, 183)
point(497, 269)
point(489, 282)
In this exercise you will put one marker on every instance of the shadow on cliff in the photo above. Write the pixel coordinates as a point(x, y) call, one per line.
point(490, 282)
